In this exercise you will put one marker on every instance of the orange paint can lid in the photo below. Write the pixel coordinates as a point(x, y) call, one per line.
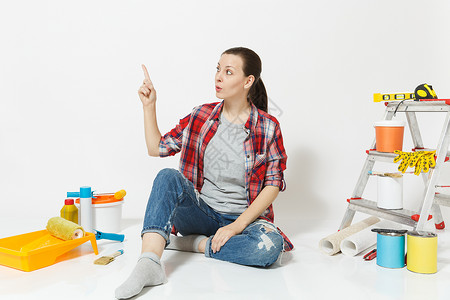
point(103, 199)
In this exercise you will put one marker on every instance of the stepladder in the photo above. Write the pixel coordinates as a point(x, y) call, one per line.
point(430, 202)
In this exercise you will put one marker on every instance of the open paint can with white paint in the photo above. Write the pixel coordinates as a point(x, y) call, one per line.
point(390, 192)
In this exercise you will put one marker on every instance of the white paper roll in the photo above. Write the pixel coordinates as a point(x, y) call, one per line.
point(360, 241)
point(331, 244)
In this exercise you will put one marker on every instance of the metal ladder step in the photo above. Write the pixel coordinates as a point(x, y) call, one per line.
point(374, 155)
point(402, 216)
point(442, 199)
point(418, 106)
point(389, 157)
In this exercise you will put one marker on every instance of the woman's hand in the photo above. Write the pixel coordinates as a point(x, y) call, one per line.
point(147, 92)
point(223, 234)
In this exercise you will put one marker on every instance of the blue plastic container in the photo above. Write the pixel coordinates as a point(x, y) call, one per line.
point(391, 250)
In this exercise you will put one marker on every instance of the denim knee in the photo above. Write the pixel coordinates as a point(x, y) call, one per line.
point(269, 249)
point(170, 179)
point(259, 245)
point(167, 174)
point(274, 253)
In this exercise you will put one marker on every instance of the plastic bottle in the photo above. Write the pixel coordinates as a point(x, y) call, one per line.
point(69, 211)
point(86, 208)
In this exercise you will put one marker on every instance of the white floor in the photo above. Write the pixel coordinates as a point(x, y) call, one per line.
point(306, 273)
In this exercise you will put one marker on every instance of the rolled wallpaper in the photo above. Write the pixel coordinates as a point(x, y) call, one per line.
point(363, 240)
point(331, 244)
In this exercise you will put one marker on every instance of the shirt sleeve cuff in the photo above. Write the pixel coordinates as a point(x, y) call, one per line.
point(281, 184)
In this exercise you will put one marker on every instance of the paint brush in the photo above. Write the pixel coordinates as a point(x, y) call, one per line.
point(393, 175)
point(104, 260)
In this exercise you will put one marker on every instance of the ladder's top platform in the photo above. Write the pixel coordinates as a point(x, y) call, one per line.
point(425, 105)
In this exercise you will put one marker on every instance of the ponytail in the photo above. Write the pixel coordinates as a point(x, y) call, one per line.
point(258, 95)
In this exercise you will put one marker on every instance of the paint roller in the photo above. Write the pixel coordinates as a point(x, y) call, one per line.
point(57, 227)
point(67, 230)
point(64, 229)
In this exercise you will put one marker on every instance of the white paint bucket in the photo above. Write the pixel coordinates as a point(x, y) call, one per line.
point(106, 213)
point(390, 192)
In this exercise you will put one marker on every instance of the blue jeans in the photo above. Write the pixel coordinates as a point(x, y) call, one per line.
point(174, 201)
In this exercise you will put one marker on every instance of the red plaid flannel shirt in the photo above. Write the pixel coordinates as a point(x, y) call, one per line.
point(265, 157)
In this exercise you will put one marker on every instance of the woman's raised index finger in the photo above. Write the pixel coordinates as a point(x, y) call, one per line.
point(145, 72)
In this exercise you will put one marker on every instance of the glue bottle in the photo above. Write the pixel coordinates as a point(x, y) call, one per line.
point(69, 211)
point(86, 208)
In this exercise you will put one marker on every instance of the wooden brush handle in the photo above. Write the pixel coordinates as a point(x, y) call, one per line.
point(117, 253)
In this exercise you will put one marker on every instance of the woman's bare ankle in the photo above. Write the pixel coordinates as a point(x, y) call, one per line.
point(153, 242)
point(202, 245)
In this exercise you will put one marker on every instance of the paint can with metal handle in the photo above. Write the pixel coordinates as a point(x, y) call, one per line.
point(422, 252)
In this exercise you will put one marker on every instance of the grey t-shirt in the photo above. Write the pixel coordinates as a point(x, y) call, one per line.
point(224, 169)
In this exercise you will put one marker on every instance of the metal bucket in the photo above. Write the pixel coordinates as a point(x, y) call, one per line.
point(422, 252)
point(391, 250)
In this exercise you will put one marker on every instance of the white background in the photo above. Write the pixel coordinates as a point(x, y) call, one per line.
point(69, 74)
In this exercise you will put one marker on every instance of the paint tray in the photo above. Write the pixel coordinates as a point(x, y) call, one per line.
point(39, 249)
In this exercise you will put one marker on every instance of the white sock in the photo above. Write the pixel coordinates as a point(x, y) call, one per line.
point(148, 272)
point(185, 243)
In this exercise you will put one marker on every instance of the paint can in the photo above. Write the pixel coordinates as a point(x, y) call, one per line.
point(389, 192)
point(106, 213)
point(389, 135)
point(391, 250)
point(422, 252)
